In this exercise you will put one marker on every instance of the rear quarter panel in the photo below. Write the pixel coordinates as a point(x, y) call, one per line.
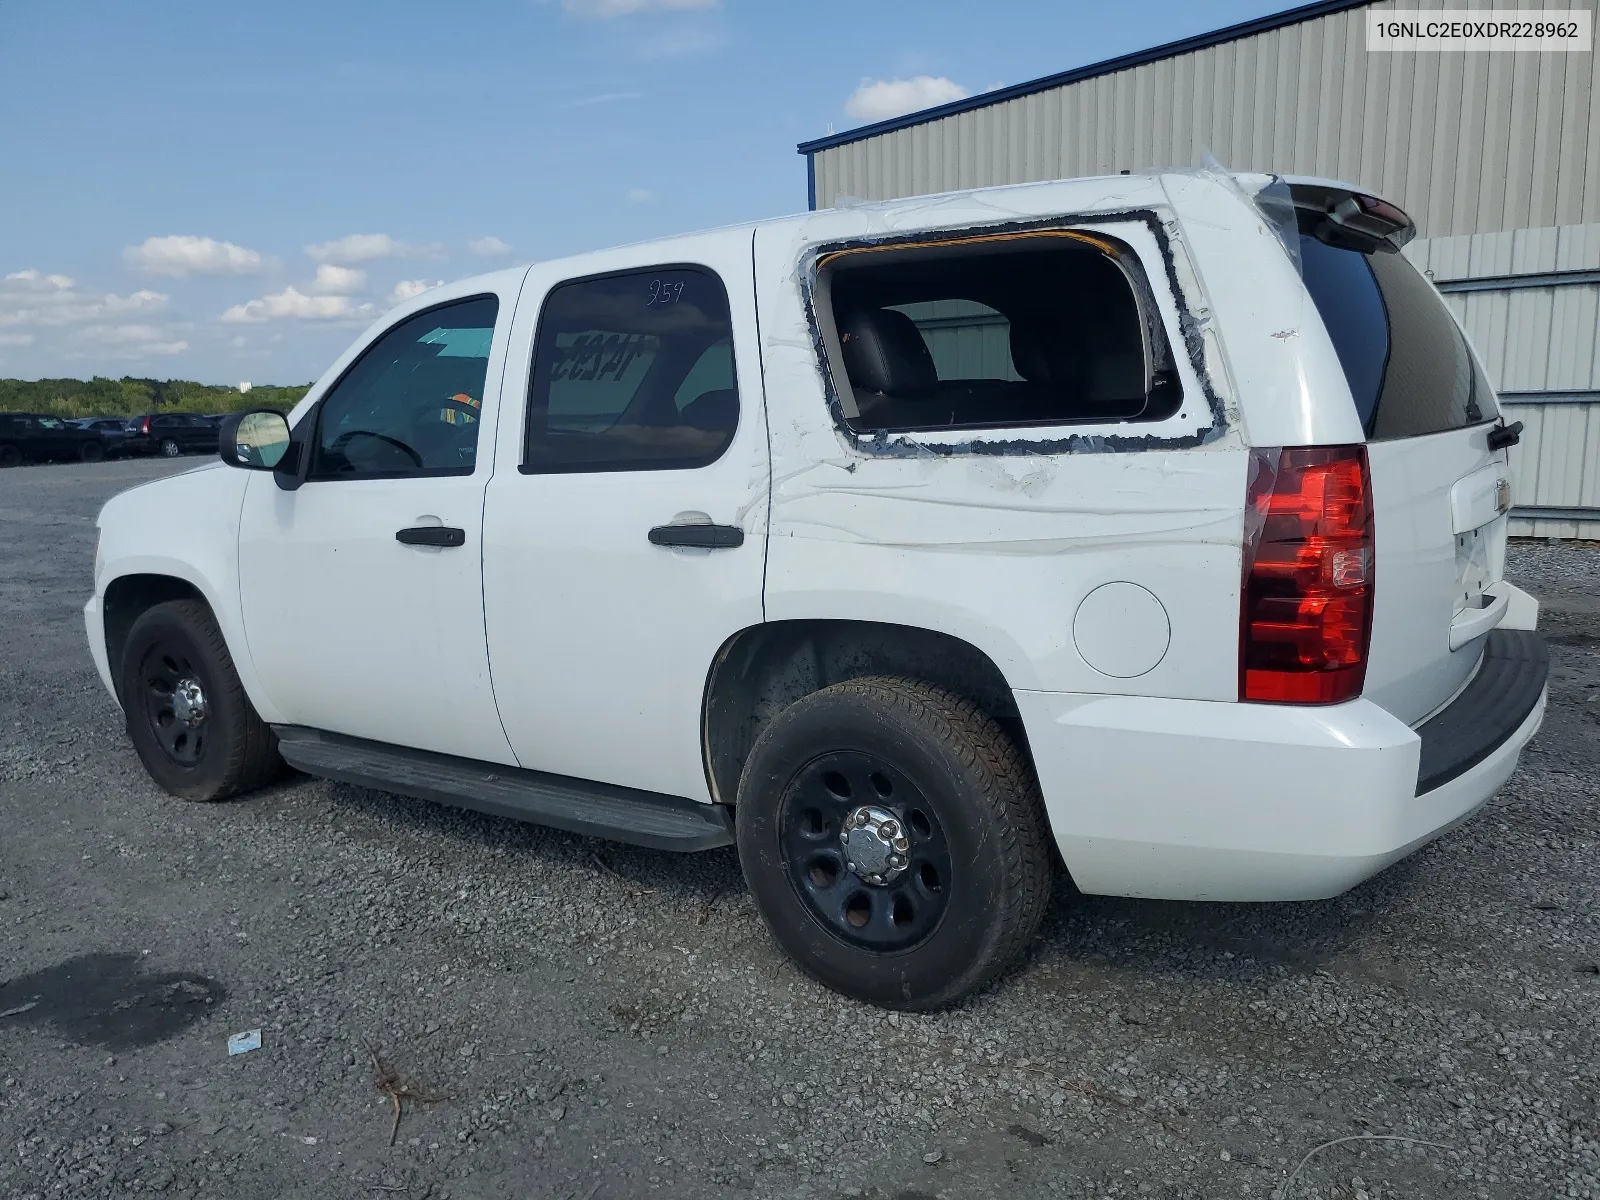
point(999, 545)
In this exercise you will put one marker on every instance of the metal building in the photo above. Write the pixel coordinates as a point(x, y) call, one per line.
point(1496, 156)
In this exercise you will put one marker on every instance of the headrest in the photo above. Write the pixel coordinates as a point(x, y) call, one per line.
point(1041, 353)
point(884, 352)
point(715, 412)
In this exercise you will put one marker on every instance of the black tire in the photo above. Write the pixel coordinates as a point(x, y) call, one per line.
point(10, 456)
point(92, 452)
point(170, 448)
point(957, 786)
point(229, 749)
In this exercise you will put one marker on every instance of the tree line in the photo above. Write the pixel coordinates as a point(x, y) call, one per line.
point(128, 396)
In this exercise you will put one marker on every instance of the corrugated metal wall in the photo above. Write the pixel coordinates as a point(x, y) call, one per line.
point(1466, 143)
point(967, 340)
point(1530, 301)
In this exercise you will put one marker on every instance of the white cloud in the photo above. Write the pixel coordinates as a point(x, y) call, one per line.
point(181, 255)
point(488, 247)
point(641, 196)
point(410, 289)
point(338, 281)
point(16, 339)
point(605, 10)
point(880, 99)
point(34, 298)
point(293, 304)
point(602, 98)
point(363, 247)
point(35, 281)
point(136, 341)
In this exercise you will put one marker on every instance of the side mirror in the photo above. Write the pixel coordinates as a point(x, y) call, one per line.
point(255, 440)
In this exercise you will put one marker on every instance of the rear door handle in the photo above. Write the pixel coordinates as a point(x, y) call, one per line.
point(711, 537)
point(432, 535)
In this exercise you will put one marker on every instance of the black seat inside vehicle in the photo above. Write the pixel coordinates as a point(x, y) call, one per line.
point(891, 369)
point(714, 412)
point(884, 353)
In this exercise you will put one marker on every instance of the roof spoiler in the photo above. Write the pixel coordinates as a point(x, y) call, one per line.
point(1344, 216)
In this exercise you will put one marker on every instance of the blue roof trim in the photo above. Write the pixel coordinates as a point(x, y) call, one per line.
point(1138, 58)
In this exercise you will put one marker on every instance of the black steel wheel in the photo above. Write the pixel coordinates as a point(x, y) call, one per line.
point(865, 851)
point(173, 702)
point(894, 840)
point(187, 714)
point(92, 452)
point(10, 456)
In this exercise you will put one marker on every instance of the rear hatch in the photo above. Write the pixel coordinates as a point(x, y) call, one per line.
point(1439, 492)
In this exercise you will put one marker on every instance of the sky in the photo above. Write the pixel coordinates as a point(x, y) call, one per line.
point(228, 192)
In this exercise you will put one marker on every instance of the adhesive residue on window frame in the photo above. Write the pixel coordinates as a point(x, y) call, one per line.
point(906, 444)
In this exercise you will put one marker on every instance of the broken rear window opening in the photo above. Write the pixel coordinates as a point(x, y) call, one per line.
point(996, 331)
point(1407, 362)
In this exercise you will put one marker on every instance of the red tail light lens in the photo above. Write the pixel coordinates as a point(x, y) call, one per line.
point(144, 425)
point(1306, 608)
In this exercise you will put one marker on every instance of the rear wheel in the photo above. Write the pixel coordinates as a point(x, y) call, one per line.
point(194, 728)
point(170, 448)
point(91, 452)
point(10, 456)
point(894, 839)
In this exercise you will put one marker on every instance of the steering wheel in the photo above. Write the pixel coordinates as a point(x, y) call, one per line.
point(461, 406)
point(344, 439)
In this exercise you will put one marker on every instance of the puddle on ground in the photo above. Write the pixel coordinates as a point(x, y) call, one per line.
point(109, 1000)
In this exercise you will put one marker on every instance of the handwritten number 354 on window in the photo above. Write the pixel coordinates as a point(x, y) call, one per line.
point(664, 291)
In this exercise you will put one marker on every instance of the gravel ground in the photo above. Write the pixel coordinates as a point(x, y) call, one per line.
point(571, 1019)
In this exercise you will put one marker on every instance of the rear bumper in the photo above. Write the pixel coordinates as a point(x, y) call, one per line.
point(1192, 800)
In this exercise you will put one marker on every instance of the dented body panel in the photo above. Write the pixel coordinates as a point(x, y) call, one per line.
point(1098, 568)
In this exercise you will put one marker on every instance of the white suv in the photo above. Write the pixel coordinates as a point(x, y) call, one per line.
point(1149, 526)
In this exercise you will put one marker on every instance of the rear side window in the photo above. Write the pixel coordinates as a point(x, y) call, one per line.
point(1053, 328)
point(632, 372)
point(1407, 362)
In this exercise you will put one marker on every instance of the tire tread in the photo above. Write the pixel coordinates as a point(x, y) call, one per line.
point(253, 758)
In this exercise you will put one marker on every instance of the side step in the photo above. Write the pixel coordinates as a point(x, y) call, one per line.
point(575, 805)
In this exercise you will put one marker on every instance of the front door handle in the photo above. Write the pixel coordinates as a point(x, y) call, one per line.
point(432, 535)
point(710, 537)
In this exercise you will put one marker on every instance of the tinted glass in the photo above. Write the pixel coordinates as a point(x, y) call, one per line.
point(1407, 363)
point(633, 372)
point(1040, 330)
point(410, 404)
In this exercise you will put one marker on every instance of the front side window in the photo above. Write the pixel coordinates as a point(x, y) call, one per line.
point(1030, 329)
point(410, 405)
point(632, 372)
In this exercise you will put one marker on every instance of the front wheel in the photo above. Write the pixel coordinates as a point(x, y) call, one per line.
point(895, 841)
point(187, 714)
point(91, 452)
point(170, 448)
point(10, 456)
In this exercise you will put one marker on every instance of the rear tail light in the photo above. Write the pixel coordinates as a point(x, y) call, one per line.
point(144, 425)
point(1306, 608)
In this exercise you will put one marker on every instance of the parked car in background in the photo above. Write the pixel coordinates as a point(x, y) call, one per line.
point(32, 437)
point(172, 434)
point(117, 433)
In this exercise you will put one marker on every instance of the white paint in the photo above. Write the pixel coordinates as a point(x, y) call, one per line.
point(1103, 584)
point(600, 641)
point(1121, 630)
point(1176, 800)
point(355, 633)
